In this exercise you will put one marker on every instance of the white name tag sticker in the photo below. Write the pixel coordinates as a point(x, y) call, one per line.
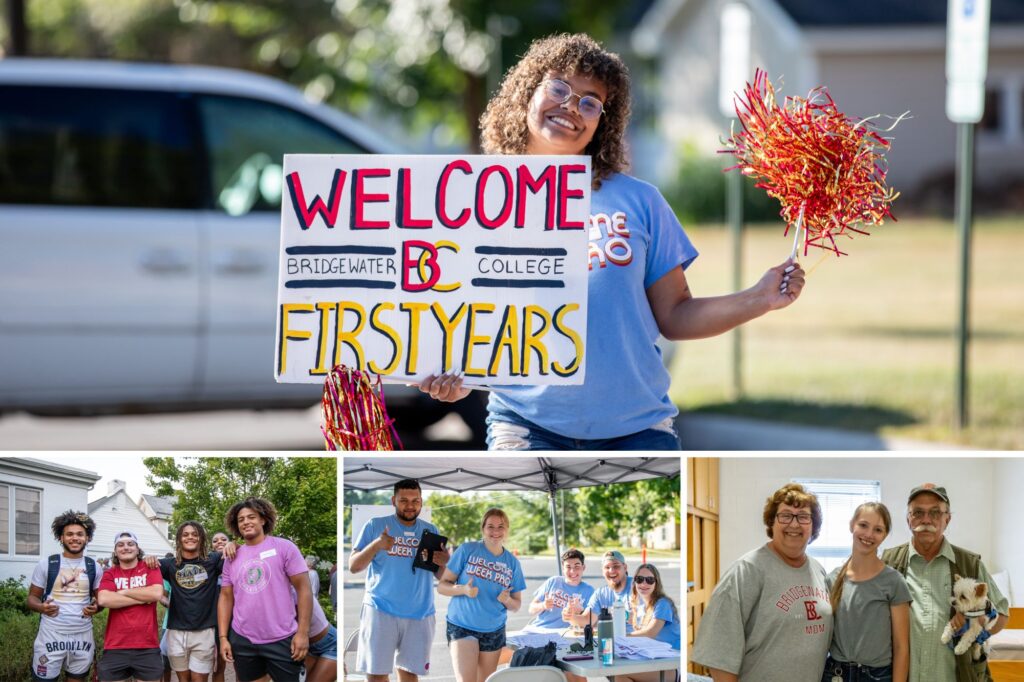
point(201, 575)
point(269, 553)
point(410, 534)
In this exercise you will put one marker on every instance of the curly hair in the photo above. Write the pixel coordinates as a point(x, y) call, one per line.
point(503, 125)
point(265, 508)
point(73, 518)
point(203, 544)
point(795, 495)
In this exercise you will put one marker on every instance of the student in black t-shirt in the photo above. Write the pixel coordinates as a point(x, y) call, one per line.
point(192, 615)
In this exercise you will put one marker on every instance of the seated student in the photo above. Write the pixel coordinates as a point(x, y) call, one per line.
point(616, 575)
point(654, 614)
point(557, 592)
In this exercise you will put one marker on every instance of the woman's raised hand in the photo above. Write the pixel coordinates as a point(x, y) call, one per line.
point(446, 387)
point(469, 590)
point(781, 285)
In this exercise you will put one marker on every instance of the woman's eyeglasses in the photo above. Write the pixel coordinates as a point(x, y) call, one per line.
point(559, 91)
point(644, 579)
point(785, 518)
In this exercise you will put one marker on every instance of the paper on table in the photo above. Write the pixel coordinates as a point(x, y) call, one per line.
point(643, 648)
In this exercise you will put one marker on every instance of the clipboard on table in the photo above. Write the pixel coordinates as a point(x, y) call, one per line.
point(430, 542)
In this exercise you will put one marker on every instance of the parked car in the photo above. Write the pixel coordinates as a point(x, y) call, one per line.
point(139, 235)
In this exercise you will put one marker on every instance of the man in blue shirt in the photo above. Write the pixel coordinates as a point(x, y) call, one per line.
point(559, 591)
point(617, 587)
point(396, 625)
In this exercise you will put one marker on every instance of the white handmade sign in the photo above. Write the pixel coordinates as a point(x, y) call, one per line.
point(407, 266)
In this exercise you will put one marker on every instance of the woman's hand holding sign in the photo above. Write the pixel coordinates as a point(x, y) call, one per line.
point(446, 387)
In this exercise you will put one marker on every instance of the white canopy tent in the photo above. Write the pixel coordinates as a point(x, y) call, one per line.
point(536, 474)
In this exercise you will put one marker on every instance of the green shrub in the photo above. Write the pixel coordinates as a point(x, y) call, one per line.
point(13, 595)
point(697, 194)
point(17, 632)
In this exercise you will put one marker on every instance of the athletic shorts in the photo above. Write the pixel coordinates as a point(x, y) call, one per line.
point(193, 650)
point(120, 664)
point(387, 642)
point(253, 661)
point(326, 646)
point(488, 641)
point(54, 651)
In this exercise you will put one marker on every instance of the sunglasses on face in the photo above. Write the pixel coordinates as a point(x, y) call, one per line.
point(559, 91)
point(644, 579)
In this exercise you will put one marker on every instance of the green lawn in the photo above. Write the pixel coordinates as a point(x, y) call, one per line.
point(871, 344)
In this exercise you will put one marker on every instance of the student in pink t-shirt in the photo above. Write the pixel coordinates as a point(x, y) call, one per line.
point(263, 630)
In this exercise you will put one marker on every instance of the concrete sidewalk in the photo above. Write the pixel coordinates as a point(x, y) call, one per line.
point(721, 432)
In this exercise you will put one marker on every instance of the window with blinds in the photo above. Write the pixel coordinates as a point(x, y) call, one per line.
point(838, 500)
point(20, 520)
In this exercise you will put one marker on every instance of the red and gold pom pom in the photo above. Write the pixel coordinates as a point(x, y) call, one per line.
point(814, 159)
point(355, 417)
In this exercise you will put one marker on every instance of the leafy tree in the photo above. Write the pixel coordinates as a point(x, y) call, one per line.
point(607, 512)
point(458, 516)
point(304, 491)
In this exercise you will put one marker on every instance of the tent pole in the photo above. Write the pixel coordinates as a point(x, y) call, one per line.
point(554, 527)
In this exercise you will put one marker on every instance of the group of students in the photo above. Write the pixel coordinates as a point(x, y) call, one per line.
point(485, 582)
point(775, 616)
point(247, 603)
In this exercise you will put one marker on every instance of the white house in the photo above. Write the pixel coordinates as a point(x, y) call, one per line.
point(32, 493)
point(875, 58)
point(158, 510)
point(115, 513)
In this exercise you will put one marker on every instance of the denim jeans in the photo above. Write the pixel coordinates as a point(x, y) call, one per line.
point(851, 672)
point(508, 431)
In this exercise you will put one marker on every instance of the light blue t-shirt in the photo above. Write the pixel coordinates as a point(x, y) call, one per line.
point(635, 239)
point(562, 592)
point(669, 632)
point(604, 598)
point(490, 574)
point(392, 585)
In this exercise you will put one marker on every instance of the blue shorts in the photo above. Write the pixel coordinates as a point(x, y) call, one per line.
point(326, 646)
point(489, 641)
point(506, 430)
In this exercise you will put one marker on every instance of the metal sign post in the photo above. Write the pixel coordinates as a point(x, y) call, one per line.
point(966, 66)
point(734, 62)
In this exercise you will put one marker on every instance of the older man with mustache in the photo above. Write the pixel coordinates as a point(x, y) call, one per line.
point(928, 563)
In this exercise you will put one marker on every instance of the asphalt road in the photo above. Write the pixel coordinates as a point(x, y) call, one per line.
point(536, 572)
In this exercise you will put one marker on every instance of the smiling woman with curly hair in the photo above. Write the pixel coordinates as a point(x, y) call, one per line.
point(569, 96)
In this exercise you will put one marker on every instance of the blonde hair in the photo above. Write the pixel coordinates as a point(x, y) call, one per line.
point(503, 128)
point(836, 594)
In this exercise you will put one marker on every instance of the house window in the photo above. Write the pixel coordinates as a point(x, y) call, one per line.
point(838, 500)
point(19, 520)
point(992, 118)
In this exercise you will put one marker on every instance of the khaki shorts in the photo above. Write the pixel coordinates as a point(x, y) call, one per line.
point(193, 650)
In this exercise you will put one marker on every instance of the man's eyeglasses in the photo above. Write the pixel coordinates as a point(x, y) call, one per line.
point(644, 579)
point(786, 518)
point(559, 91)
point(932, 514)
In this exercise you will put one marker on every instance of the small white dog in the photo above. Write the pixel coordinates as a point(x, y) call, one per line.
point(970, 598)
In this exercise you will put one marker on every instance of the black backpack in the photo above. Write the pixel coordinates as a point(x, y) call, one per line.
point(533, 655)
point(53, 568)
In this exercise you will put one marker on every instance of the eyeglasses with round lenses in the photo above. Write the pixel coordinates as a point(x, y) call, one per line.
point(786, 518)
point(933, 514)
point(559, 91)
point(642, 579)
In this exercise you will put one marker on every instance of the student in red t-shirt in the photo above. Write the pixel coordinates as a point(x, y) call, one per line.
point(130, 589)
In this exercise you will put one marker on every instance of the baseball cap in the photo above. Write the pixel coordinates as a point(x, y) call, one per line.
point(936, 490)
point(124, 533)
point(613, 555)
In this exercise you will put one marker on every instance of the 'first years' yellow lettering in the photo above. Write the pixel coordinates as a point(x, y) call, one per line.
point(519, 338)
point(414, 309)
point(474, 339)
point(508, 337)
point(448, 326)
point(570, 334)
point(532, 339)
point(288, 334)
point(393, 336)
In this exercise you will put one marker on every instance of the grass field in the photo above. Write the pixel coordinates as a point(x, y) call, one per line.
point(871, 343)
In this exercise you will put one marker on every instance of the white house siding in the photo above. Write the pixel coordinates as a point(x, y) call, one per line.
point(58, 495)
point(118, 513)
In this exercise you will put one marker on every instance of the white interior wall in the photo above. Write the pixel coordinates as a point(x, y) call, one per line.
point(979, 522)
point(1007, 528)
